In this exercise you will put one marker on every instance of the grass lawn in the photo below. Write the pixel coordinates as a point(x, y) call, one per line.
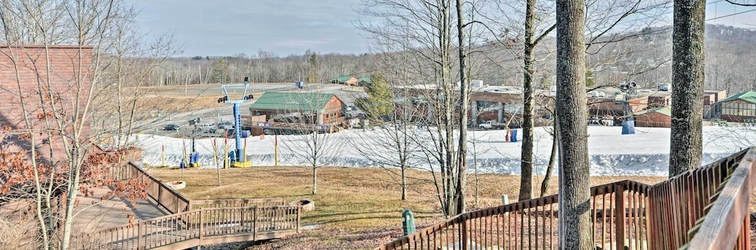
point(355, 208)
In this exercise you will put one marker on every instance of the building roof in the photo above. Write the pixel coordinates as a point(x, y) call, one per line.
point(366, 79)
point(292, 101)
point(749, 96)
point(341, 79)
point(663, 110)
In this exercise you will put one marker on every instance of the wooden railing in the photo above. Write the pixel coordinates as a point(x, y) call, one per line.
point(266, 202)
point(193, 222)
point(174, 202)
point(196, 227)
point(712, 200)
point(164, 195)
point(532, 224)
point(726, 221)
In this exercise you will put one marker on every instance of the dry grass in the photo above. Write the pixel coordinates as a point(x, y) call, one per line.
point(177, 104)
point(18, 234)
point(354, 207)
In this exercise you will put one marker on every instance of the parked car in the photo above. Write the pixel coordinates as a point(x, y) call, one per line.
point(207, 128)
point(171, 127)
point(225, 125)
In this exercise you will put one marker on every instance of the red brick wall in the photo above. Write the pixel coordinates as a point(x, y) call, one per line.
point(653, 119)
point(27, 67)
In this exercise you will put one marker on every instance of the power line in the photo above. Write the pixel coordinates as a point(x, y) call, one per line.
point(733, 14)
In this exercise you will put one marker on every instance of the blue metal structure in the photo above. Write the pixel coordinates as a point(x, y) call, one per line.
point(237, 115)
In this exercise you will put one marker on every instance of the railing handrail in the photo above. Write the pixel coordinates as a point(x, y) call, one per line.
point(722, 224)
point(242, 200)
point(178, 215)
point(197, 220)
point(183, 205)
point(162, 186)
point(624, 185)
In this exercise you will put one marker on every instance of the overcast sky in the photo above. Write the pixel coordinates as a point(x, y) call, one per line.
point(229, 27)
point(284, 27)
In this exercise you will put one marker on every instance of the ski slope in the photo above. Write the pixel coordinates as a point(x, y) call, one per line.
point(612, 154)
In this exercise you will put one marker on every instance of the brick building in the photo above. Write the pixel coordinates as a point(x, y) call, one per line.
point(655, 118)
point(24, 72)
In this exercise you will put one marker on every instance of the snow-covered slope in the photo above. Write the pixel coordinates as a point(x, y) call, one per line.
point(645, 153)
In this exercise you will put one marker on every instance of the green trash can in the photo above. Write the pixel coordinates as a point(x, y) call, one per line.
point(408, 222)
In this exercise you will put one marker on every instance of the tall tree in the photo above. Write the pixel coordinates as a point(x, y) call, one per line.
point(526, 156)
point(311, 144)
point(312, 74)
point(220, 71)
point(464, 101)
point(426, 29)
point(686, 142)
point(574, 172)
point(379, 102)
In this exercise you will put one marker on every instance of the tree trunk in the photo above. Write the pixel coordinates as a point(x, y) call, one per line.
point(552, 159)
point(462, 157)
point(526, 157)
point(687, 86)
point(314, 180)
point(574, 172)
point(404, 183)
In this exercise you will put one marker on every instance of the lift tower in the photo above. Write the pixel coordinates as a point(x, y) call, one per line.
point(237, 160)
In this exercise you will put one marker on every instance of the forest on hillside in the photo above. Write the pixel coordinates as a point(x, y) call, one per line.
point(644, 57)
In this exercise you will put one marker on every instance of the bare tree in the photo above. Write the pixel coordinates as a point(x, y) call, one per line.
point(56, 105)
point(314, 145)
point(428, 24)
point(686, 142)
point(574, 172)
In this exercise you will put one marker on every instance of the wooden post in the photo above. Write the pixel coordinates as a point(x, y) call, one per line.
point(299, 218)
point(745, 234)
point(619, 215)
point(463, 231)
point(254, 224)
point(275, 151)
point(201, 227)
point(241, 218)
point(140, 231)
point(160, 195)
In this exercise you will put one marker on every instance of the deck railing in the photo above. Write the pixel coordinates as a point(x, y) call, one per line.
point(265, 202)
point(532, 224)
point(193, 222)
point(196, 227)
point(726, 222)
point(175, 202)
point(625, 215)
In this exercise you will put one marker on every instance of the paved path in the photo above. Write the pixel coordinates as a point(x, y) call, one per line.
point(94, 214)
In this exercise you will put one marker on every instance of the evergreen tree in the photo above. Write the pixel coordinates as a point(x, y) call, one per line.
point(220, 71)
point(379, 102)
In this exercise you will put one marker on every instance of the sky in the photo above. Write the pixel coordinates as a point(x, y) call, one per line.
point(230, 27)
point(285, 27)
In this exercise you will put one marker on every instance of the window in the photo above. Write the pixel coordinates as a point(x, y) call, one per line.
point(729, 108)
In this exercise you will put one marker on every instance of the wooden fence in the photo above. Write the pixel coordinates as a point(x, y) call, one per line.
point(265, 202)
point(193, 222)
point(197, 227)
point(712, 200)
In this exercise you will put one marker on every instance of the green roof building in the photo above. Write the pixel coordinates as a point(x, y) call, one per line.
point(347, 80)
point(299, 107)
point(738, 108)
point(365, 80)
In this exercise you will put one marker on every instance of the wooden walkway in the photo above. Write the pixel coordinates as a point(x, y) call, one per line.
point(194, 223)
point(195, 228)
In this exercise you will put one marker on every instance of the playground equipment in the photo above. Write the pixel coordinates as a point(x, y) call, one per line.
point(237, 156)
